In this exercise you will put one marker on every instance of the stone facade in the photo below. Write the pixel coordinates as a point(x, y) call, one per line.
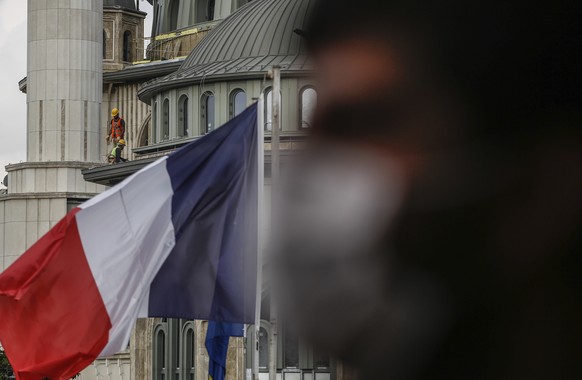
point(135, 113)
point(123, 38)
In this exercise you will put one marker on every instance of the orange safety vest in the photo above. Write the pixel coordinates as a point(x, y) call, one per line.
point(117, 130)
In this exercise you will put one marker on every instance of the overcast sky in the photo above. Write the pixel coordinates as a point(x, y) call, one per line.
point(12, 70)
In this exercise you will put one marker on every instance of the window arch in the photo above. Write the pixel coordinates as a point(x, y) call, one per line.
point(205, 10)
point(104, 44)
point(127, 42)
point(173, 15)
point(183, 117)
point(189, 350)
point(308, 102)
point(264, 332)
point(160, 349)
point(165, 132)
point(207, 112)
point(238, 102)
point(155, 122)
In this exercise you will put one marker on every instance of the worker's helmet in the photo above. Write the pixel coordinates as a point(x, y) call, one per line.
point(114, 112)
point(121, 142)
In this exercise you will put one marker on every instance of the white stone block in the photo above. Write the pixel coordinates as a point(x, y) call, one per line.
point(15, 238)
point(15, 210)
point(52, 55)
point(51, 181)
point(40, 180)
point(76, 4)
point(32, 25)
point(52, 82)
point(71, 180)
point(50, 147)
point(74, 82)
point(31, 234)
point(44, 210)
point(75, 115)
point(31, 210)
point(64, 3)
point(51, 112)
point(75, 146)
point(63, 53)
point(63, 84)
point(40, 24)
point(52, 19)
point(58, 209)
point(29, 184)
point(62, 179)
point(64, 30)
point(39, 83)
point(43, 228)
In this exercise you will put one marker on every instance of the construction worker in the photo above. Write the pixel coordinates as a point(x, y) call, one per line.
point(115, 155)
point(116, 128)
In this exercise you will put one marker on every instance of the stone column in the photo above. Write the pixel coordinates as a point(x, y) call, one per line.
point(64, 80)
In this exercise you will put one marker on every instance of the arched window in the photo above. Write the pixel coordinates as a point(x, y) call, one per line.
point(290, 350)
point(308, 103)
point(104, 44)
point(176, 331)
point(205, 10)
point(238, 102)
point(183, 127)
point(189, 351)
point(210, 10)
point(263, 348)
point(160, 363)
point(165, 135)
point(174, 13)
point(269, 110)
point(207, 112)
point(155, 122)
point(127, 46)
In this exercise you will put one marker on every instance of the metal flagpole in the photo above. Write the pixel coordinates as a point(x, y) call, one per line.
point(276, 124)
point(260, 229)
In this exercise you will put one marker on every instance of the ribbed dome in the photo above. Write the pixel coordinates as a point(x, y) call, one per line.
point(250, 41)
point(125, 4)
point(261, 28)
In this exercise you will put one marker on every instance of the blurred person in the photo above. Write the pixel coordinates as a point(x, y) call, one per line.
point(433, 228)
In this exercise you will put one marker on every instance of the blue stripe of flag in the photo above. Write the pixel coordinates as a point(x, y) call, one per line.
point(211, 272)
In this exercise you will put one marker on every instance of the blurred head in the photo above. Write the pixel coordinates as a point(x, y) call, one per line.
point(427, 223)
point(115, 113)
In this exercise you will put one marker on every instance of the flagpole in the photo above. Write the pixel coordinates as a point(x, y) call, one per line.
point(276, 104)
point(260, 229)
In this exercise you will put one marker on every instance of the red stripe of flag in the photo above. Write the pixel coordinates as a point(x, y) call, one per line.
point(53, 322)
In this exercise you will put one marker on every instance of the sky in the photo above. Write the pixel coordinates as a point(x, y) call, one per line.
point(12, 70)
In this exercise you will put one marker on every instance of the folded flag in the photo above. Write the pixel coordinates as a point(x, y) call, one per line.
point(177, 239)
point(217, 337)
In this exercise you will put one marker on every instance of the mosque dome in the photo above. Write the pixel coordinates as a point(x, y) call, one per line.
point(123, 4)
point(246, 44)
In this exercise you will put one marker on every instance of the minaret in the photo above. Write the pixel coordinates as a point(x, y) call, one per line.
point(63, 87)
point(64, 79)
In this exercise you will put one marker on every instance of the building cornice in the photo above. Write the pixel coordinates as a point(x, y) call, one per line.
point(143, 72)
point(54, 195)
point(51, 165)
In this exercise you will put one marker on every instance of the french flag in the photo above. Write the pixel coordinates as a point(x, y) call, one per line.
point(177, 239)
